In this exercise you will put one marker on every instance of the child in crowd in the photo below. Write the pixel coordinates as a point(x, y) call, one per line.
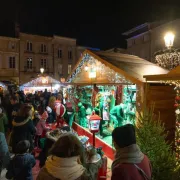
point(51, 117)
point(20, 167)
point(36, 118)
point(41, 127)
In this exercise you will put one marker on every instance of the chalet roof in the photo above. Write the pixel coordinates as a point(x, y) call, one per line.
point(131, 67)
point(174, 74)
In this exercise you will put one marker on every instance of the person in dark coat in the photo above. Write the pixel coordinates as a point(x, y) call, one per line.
point(20, 167)
point(129, 163)
point(23, 128)
point(4, 153)
point(14, 108)
point(51, 116)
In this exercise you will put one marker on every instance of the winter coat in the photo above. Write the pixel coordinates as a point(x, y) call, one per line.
point(3, 123)
point(20, 167)
point(51, 117)
point(127, 171)
point(4, 152)
point(23, 129)
point(68, 168)
point(41, 126)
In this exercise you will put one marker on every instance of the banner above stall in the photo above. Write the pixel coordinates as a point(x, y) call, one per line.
point(101, 67)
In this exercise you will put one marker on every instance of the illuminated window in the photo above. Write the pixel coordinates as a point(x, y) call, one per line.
point(43, 48)
point(59, 53)
point(29, 46)
point(44, 63)
point(69, 68)
point(29, 63)
point(12, 62)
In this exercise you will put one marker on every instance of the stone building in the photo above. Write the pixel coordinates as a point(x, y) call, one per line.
point(9, 59)
point(145, 39)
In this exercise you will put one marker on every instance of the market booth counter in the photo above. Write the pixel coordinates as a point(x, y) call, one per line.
point(112, 85)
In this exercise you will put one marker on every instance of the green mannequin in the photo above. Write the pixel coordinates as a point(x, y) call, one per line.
point(82, 115)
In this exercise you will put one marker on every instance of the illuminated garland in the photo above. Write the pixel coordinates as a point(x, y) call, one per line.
point(177, 133)
point(168, 59)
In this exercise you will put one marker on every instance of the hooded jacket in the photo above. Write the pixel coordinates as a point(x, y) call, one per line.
point(20, 167)
point(23, 129)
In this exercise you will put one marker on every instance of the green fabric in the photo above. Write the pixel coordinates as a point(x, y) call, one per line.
point(3, 123)
point(42, 143)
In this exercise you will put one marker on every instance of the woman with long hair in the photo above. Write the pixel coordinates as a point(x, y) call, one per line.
point(23, 128)
point(65, 160)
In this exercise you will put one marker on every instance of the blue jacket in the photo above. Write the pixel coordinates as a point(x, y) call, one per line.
point(4, 152)
point(20, 167)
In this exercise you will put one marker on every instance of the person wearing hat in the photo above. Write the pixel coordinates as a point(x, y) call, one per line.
point(20, 167)
point(129, 163)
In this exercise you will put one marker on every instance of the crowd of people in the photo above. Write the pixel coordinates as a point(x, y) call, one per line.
point(23, 121)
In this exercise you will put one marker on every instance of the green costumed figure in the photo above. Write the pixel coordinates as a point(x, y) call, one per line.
point(82, 115)
point(117, 115)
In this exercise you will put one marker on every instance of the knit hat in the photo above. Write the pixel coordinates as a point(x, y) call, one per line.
point(124, 136)
point(22, 147)
point(44, 116)
point(49, 110)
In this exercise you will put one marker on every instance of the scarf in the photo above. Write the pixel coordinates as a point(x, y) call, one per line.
point(130, 154)
point(64, 168)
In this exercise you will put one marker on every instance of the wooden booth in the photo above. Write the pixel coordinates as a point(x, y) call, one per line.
point(108, 69)
point(40, 84)
point(167, 99)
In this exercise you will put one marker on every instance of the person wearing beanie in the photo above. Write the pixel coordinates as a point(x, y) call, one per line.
point(20, 167)
point(129, 163)
point(51, 118)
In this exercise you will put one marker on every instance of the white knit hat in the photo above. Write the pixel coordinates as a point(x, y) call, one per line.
point(49, 110)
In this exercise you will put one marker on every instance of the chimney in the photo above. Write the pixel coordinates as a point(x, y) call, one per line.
point(17, 29)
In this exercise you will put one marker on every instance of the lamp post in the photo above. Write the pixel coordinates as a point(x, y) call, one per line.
point(168, 58)
point(94, 123)
point(169, 40)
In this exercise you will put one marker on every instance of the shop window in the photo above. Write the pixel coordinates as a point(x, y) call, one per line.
point(69, 68)
point(43, 48)
point(29, 63)
point(29, 46)
point(12, 62)
point(44, 63)
point(59, 53)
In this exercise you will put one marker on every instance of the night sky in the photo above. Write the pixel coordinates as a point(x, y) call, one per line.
point(94, 23)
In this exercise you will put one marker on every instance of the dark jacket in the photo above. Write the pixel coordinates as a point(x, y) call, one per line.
point(23, 129)
point(4, 152)
point(51, 117)
point(20, 167)
point(127, 171)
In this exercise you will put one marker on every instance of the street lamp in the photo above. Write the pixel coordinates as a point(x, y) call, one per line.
point(168, 58)
point(169, 39)
point(42, 70)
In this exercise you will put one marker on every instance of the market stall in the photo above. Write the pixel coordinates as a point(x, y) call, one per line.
point(171, 81)
point(3, 87)
point(40, 84)
point(112, 85)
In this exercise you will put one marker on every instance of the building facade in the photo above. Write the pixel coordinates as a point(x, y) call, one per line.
point(9, 59)
point(148, 38)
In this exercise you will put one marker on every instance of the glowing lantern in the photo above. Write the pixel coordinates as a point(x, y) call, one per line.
point(92, 73)
point(169, 39)
point(94, 123)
